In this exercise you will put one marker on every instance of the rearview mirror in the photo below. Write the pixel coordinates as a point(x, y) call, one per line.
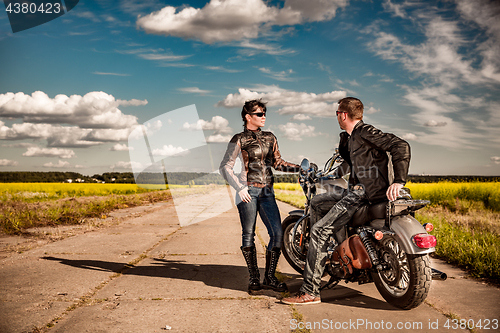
point(305, 165)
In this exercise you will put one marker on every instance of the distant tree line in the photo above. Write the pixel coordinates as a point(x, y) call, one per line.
point(186, 178)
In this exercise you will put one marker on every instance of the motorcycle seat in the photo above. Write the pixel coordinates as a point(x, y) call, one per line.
point(368, 213)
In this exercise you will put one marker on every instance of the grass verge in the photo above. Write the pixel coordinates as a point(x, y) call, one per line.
point(475, 249)
point(17, 216)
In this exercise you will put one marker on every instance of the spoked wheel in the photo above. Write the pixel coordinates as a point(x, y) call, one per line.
point(406, 279)
point(292, 250)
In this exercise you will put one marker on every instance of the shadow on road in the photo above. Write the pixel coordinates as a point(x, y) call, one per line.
point(221, 276)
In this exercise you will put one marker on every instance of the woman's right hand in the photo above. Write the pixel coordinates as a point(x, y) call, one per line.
point(245, 197)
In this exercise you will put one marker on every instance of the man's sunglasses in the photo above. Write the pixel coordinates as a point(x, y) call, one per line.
point(339, 112)
point(258, 114)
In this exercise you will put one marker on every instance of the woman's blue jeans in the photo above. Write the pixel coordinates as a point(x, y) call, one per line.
point(264, 203)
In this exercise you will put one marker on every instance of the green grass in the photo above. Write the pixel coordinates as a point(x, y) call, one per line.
point(477, 249)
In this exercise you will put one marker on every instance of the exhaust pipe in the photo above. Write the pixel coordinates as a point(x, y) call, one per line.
point(438, 275)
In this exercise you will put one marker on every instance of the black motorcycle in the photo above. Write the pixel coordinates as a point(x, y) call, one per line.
point(383, 243)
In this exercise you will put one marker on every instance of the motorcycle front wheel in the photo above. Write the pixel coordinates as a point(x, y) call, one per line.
point(406, 279)
point(291, 244)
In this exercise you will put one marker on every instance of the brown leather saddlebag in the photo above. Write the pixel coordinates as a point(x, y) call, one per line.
point(352, 254)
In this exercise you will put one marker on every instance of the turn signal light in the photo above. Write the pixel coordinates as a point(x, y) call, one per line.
point(424, 241)
point(378, 235)
point(428, 227)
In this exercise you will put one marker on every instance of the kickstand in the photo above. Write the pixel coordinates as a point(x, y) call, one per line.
point(331, 283)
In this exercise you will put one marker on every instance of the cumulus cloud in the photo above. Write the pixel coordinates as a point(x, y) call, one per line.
point(169, 150)
point(63, 136)
point(93, 110)
point(301, 117)
point(5, 162)
point(218, 138)
point(296, 132)
point(121, 147)
point(218, 124)
point(409, 136)
point(371, 110)
point(232, 20)
point(280, 97)
point(60, 164)
point(49, 152)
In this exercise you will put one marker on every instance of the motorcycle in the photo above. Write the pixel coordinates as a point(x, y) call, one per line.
point(383, 243)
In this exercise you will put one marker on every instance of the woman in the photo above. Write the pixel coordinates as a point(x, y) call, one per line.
point(258, 151)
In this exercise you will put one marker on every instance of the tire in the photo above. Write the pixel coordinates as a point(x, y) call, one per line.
point(407, 280)
point(290, 249)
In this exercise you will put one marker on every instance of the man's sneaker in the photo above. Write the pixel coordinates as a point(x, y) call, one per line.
point(301, 298)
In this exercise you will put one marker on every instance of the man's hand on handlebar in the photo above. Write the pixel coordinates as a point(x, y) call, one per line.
point(393, 191)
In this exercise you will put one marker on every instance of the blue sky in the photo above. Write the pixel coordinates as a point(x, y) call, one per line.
point(73, 89)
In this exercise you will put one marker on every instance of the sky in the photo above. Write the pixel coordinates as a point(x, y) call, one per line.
point(73, 90)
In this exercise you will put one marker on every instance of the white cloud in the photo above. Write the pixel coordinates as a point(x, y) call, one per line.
point(409, 136)
point(218, 138)
point(194, 90)
point(169, 150)
point(495, 159)
point(5, 162)
point(316, 109)
point(217, 124)
point(93, 110)
point(433, 123)
point(280, 76)
point(297, 102)
point(112, 74)
point(301, 117)
point(296, 132)
point(20, 145)
point(371, 110)
point(485, 14)
point(63, 136)
point(252, 49)
point(222, 69)
point(163, 57)
point(60, 164)
point(121, 147)
point(133, 102)
point(232, 20)
point(49, 152)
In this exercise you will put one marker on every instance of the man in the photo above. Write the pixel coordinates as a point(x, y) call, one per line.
point(364, 148)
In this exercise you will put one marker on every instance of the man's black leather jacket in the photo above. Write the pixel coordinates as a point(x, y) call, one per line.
point(365, 153)
point(258, 151)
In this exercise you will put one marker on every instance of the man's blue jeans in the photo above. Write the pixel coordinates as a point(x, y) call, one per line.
point(336, 218)
point(263, 202)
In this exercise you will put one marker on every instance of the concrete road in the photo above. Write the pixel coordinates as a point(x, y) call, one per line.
point(147, 274)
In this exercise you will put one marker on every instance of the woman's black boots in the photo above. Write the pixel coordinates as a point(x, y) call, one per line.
point(250, 255)
point(270, 281)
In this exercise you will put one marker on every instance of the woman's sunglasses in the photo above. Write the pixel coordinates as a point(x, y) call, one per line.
point(258, 114)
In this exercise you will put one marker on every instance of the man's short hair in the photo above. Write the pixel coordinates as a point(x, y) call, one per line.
point(352, 106)
point(250, 107)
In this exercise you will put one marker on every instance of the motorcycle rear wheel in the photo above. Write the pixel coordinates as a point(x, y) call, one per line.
point(407, 281)
point(291, 245)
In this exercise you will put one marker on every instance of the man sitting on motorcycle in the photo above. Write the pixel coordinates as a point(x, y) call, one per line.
point(364, 148)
